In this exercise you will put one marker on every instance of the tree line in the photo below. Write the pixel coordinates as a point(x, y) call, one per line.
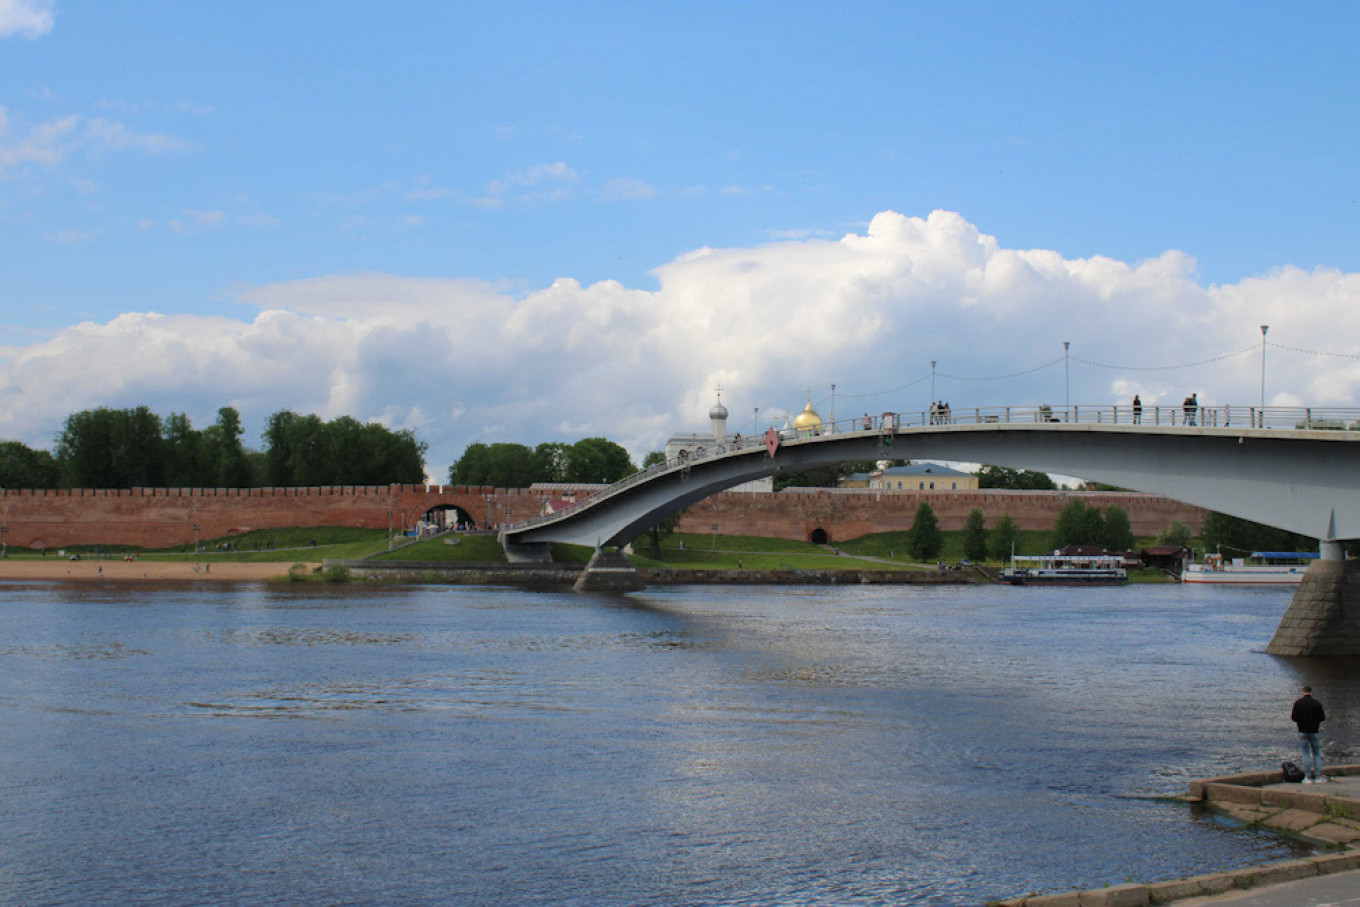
point(136, 448)
point(589, 461)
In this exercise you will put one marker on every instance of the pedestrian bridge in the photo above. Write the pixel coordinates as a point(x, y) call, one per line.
point(1293, 468)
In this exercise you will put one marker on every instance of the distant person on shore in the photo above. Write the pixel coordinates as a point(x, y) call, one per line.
point(1308, 714)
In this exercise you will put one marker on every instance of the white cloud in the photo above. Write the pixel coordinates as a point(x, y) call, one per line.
point(627, 189)
point(26, 18)
point(462, 360)
point(555, 180)
point(50, 143)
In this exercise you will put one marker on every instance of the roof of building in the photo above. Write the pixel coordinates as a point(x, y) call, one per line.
point(922, 469)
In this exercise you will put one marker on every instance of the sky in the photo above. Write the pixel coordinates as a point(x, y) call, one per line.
point(527, 222)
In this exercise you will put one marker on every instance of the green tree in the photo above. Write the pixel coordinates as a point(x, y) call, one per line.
point(1071, 526)
point(1093, 528)
point(592, 460)
point(1018, 479)
point(500, 465)
point(828, 476)
point(551, 461)
point(1005, 535)
point(24, 467)
point(1118, 530)
point(925, 541)
point(106, 448)
point(224, 454)
point(305, 451)
point(184, 466)
point(1236, 536)
point(1177, 534)
point(975, 536)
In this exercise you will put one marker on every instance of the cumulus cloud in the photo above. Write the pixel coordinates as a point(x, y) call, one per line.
point(460, 360)
point(26, 18)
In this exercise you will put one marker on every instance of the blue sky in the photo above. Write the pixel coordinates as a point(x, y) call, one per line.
point(489, 222)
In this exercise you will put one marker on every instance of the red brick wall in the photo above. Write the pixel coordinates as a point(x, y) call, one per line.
point(161, 517)
point(165, 517)
point(842, 515)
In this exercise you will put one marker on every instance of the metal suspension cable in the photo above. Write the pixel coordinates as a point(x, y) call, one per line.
point(1295, 349)
point(1166, 368)
point(881, 393)
point(1028, 371)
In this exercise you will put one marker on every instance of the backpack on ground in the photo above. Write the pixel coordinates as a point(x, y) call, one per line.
point(1292, 773)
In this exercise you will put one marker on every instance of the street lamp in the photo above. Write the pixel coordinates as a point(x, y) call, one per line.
point(195, 538)
point(932, 382)
point(755, 422)
point(4, 546)
point(1264, 328)
point(1067, 374)
point(833, 409)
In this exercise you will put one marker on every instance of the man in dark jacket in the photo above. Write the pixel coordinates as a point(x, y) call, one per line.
point(1309, 715)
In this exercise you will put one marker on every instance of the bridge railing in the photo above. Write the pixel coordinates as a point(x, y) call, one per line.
point(1150, 416)
point(1201, 415)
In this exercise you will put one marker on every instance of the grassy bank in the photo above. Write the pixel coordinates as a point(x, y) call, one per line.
point(879, 551)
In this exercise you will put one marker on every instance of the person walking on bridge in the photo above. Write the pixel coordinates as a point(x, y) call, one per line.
point(1308, 714)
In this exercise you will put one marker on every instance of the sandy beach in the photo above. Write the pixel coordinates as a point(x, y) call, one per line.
point(141, 571)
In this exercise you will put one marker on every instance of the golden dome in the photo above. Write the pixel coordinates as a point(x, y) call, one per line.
point(807, 420)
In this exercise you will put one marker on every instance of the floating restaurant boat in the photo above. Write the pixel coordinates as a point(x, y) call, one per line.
point(1066, 570)
point(1277, 568)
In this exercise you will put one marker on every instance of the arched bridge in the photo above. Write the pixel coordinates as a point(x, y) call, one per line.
point(1293, 468)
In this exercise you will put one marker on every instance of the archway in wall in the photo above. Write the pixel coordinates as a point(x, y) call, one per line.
point(819, 536)
point(448, 516)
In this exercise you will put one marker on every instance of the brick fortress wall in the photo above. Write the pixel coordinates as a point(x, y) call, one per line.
point(844, 515)
point(165, 517)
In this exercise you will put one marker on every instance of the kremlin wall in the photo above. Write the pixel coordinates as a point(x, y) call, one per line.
point(170, 517)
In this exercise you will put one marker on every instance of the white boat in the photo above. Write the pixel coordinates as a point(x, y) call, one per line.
point(1279, 568)
point(1066, 570)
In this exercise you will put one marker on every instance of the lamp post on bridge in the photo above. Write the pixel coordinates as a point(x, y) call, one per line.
point(932, 382)
point(1264, 328)
point(1067, 382)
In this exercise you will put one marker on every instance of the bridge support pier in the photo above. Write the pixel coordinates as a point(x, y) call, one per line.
point(609, 571)
point(1324, 617)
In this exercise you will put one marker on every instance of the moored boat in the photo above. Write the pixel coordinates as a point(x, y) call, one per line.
point(1066, 570)
point(1279, 568)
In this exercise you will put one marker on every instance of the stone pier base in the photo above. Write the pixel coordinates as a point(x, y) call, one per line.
point(609, 571)
point(1324, 617)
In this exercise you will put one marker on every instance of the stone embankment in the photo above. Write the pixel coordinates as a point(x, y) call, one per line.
point(1324, 814)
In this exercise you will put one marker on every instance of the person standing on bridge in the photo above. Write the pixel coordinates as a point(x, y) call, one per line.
point(1308, 714)
point(1137, 410)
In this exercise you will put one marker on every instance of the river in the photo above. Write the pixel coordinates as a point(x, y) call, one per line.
point(691, 745)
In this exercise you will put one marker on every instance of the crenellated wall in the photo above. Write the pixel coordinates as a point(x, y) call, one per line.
point(843, 515)
point(166, 517)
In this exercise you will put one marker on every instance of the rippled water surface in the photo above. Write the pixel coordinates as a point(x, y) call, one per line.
point(881, 745)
